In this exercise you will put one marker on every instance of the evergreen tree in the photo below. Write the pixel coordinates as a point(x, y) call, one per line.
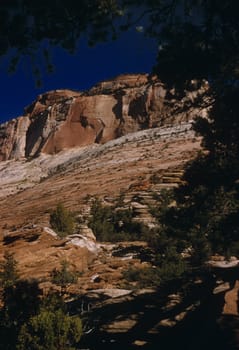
point(50, 330)
point(62, 221)
point(20, 301)
point(114, 223)
point(30, 321)
point(200, 40)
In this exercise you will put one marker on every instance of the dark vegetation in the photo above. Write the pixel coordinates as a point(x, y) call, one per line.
point(30, 320)
point(62, 221)
point(114, 223)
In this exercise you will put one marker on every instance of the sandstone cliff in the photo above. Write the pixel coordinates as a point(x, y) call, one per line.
point(63, 119)
point(154, 142)
point(149, 141)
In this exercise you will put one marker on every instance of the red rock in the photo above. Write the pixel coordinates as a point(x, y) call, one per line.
point(63, 119)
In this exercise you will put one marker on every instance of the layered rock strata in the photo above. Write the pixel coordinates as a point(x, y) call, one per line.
point(63, 119)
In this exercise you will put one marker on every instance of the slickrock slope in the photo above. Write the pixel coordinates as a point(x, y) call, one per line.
point(63, 119)
point(120, 135)
point(132, 164)
point(126, 135)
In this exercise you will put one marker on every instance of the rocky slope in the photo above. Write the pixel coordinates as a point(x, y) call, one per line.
point(139, 164)
point(75, 162)
point(126, 135)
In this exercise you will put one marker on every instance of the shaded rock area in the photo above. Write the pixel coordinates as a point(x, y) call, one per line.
point(184, 314)
point(164, 318)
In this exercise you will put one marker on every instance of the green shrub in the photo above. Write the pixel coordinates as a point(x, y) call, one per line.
point(62, 221)
point(155, 276)
point(114, 223)
point(145, 277)
point(169, 266)
point(50, 330)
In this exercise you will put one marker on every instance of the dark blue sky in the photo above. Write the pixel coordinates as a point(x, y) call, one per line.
point(131, 53)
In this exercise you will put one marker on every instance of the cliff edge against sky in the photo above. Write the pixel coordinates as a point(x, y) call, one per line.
point(63, 119)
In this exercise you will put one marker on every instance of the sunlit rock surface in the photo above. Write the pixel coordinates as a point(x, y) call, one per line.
point(64, 119)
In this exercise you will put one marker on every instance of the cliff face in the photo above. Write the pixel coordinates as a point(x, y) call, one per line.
point(139, 165)
point(64, 119)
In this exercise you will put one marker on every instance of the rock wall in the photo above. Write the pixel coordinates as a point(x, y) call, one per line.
point(64, 119)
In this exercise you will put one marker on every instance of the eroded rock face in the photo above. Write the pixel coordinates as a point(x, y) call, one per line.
point(64, 119)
